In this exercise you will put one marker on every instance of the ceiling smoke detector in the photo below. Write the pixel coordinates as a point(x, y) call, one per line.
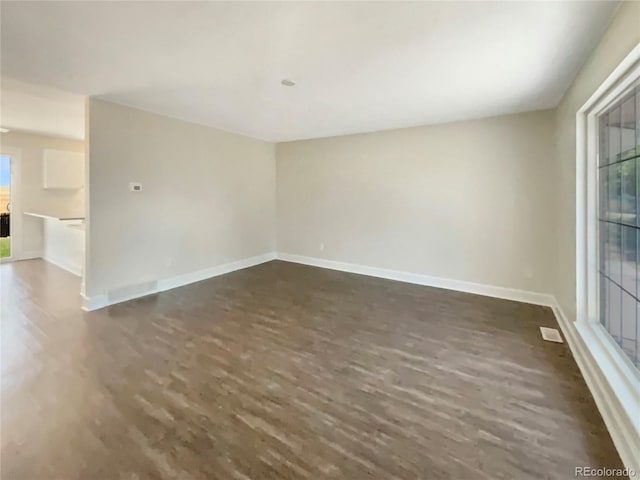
point(288, 83)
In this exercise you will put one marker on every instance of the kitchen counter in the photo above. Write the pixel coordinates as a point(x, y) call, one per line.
point(64, 239)
point(62, 217)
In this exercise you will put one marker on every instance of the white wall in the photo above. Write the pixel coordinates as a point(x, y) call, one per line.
point(468, 201)
point(32, 196)
point(621, 36)
point(208, 197)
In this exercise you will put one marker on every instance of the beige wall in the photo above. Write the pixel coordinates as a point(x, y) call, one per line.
point(208, 197)
point(467, 201)
point(622, 35)
point(32, 197)
point(489, 201)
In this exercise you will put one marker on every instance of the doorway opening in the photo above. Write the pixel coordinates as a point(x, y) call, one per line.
point(5, 207)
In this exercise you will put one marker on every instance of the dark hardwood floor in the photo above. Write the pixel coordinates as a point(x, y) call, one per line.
point(284, 371)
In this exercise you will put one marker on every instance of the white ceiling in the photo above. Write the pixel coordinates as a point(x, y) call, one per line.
point(359, 66)
point(43, 110)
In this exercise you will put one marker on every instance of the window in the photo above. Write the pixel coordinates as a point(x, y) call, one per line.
point(619, 222)
point(606, 329)
point(5, 206)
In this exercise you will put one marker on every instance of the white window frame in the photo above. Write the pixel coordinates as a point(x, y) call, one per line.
point(621, 375)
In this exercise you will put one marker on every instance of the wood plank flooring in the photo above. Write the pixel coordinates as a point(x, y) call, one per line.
point(284, 371)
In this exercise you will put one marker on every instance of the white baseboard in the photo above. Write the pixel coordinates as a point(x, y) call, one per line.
point(100, 301)
point(69, 267)
point(426, 280)
point(614, 390)
point(30, 255)
point(181, 280)
point(94, 302)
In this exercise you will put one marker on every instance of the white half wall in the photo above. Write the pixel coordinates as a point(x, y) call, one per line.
point(207, 199)
point(64, 244)
point(465, 201)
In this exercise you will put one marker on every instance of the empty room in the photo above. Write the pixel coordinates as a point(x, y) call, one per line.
point(319, 240)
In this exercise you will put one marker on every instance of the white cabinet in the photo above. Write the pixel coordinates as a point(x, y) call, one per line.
point(62, 169)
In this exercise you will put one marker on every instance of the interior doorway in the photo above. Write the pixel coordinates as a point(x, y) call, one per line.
point(5, 207)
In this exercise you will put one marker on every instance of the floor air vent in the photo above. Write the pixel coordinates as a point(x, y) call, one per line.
point(551, 334)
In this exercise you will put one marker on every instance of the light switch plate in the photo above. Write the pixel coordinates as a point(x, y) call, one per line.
point(135, 187)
